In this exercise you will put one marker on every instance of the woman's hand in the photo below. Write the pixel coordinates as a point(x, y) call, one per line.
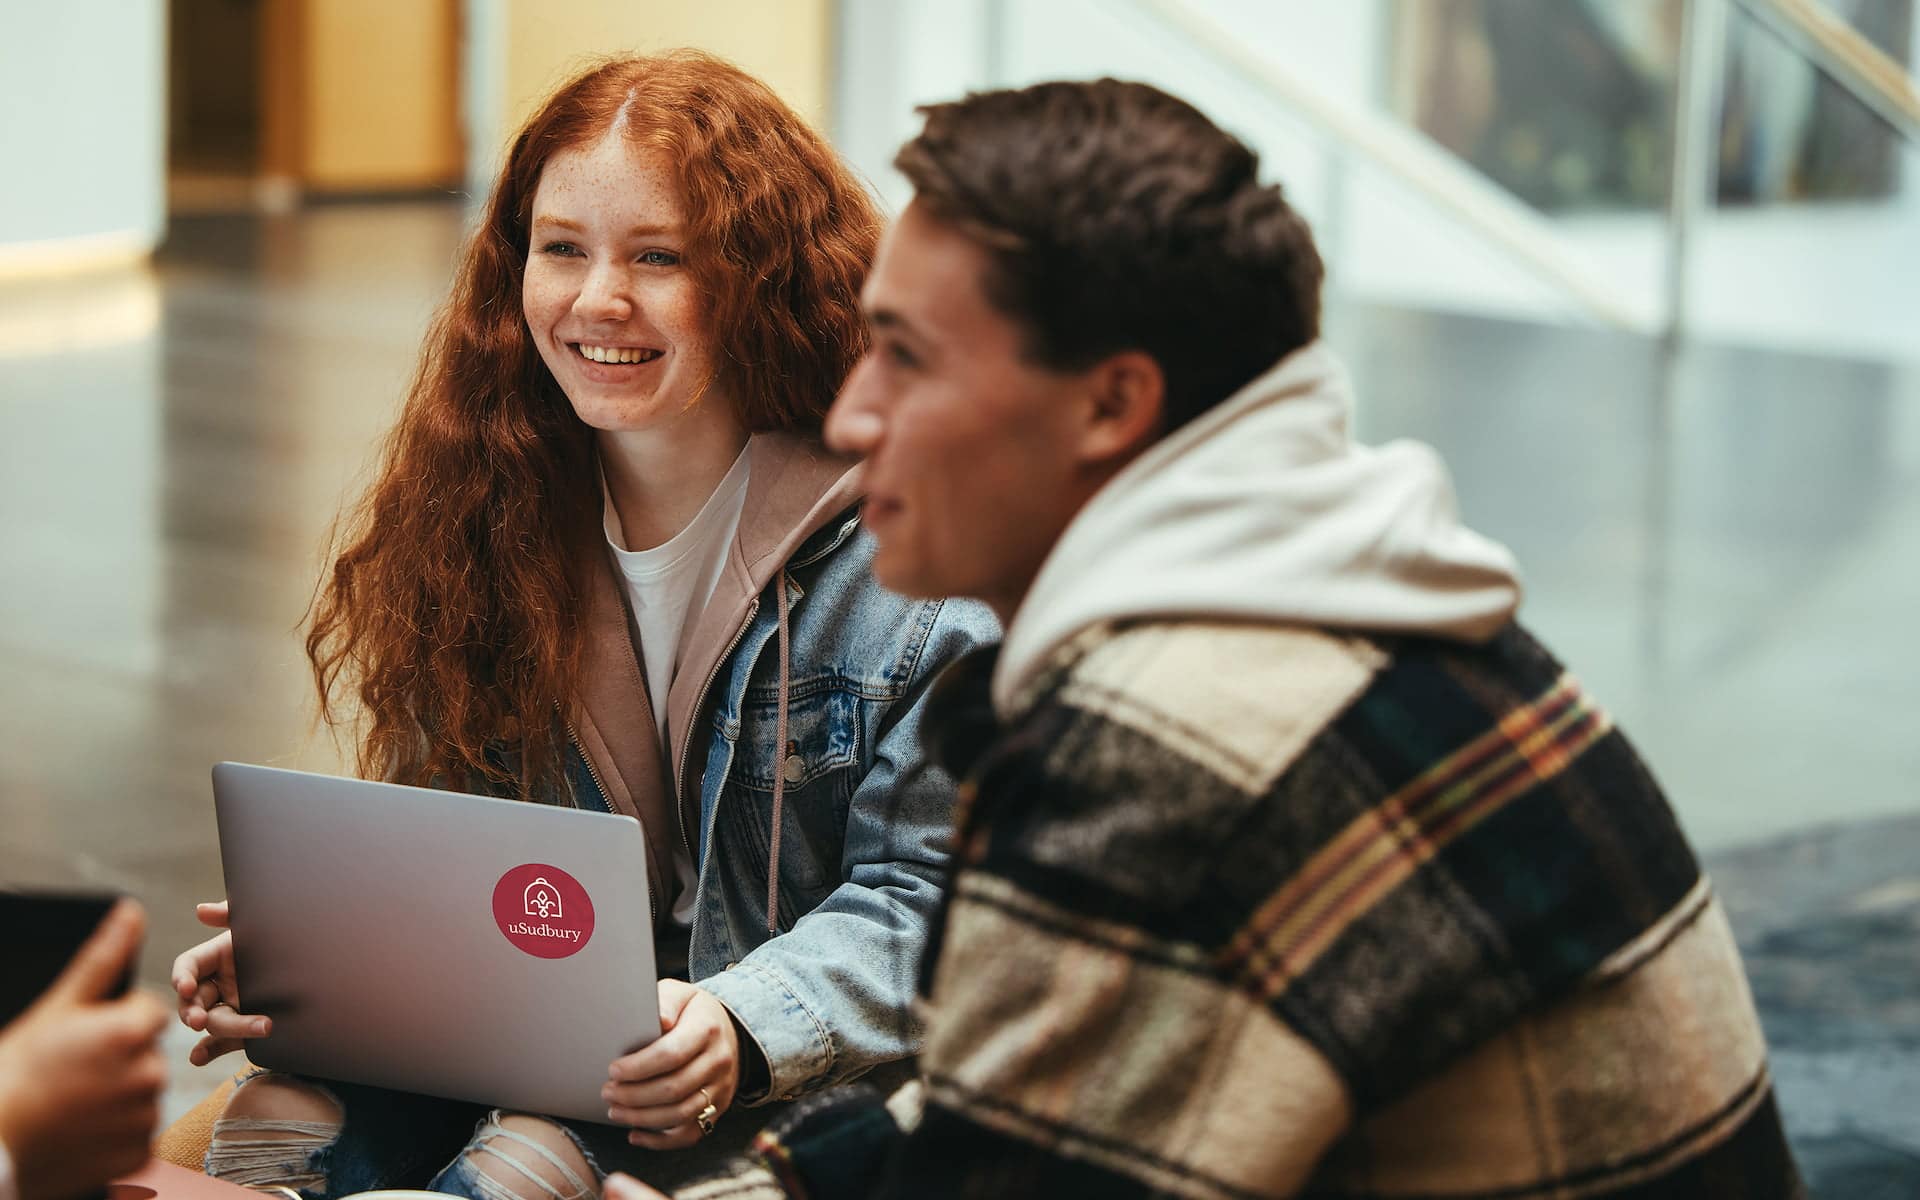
point(660, 1089)
point(209, 996)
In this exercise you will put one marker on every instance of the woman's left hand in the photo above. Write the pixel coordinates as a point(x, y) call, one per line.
point(658, 1089)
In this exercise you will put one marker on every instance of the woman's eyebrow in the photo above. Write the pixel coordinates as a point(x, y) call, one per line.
point(636, 231)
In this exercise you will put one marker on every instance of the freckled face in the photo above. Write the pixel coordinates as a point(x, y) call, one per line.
point(617, 317)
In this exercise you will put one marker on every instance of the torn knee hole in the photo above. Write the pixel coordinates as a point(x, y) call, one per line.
point(272, 1133)
point(526, 1158)
point(276, 1097)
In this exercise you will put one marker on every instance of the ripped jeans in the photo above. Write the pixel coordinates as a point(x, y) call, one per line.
point(391, 1139)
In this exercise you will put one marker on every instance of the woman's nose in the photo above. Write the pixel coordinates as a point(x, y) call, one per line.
point(603, 294)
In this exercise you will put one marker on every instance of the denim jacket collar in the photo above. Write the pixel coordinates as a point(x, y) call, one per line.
point(796, 487)
point(796, 490)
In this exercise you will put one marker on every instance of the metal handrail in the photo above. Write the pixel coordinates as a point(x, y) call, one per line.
point(1413, 159)
point(1856, 64)
point(1698, 82)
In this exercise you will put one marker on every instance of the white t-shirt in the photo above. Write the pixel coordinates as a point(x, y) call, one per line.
point(666, 585)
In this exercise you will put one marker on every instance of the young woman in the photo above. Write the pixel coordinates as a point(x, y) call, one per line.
point(607, 563)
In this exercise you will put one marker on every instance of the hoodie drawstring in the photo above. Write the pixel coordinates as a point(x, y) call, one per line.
point(779, 766)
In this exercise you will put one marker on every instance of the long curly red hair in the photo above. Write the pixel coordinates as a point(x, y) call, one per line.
point(452, 617)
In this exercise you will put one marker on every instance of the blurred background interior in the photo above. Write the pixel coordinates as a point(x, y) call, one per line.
point(1646, 271)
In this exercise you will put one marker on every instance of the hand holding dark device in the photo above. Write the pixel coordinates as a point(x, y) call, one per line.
point(80, 1064)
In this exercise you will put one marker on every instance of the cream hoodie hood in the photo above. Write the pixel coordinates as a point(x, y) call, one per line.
point(1265, 508)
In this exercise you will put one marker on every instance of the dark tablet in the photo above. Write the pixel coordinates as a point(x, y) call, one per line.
point(39, 933)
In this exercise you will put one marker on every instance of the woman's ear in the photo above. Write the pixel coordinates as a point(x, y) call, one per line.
point(1124, 407)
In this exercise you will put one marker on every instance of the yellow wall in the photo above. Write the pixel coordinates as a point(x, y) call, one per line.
point(382, 94)
point(785, 42)
point(367, 94)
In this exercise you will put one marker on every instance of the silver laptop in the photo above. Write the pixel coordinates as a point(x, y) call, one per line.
point(428, 941)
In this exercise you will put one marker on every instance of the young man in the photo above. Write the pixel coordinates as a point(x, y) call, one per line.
point(1287, 861)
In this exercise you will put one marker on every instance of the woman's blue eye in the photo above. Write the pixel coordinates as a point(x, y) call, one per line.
point(660, 258)
point(558, 248)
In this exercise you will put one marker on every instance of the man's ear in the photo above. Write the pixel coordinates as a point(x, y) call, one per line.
point(1125, 405)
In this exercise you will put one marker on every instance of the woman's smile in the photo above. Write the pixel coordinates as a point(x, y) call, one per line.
point(610, 355)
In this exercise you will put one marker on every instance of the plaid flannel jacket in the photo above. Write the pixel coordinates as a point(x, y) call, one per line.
point(1254, 911)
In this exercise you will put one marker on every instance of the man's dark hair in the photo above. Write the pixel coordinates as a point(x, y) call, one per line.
point(1116, 217)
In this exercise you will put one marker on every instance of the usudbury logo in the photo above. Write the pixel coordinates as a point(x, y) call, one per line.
point(543, 910)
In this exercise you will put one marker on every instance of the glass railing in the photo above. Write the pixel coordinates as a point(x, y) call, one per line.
point(1515, 159)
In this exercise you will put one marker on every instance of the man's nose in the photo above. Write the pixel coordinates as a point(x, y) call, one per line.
point(854, 424)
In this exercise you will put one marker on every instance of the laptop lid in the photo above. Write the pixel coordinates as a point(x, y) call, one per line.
point(454, 945)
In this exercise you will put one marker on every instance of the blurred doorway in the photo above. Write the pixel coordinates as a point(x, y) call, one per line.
point(275, 101)
point(214, 72)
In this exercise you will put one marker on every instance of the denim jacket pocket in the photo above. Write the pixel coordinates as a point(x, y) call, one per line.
point(820, 765)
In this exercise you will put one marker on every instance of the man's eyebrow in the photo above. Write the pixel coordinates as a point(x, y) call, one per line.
point(888, 319)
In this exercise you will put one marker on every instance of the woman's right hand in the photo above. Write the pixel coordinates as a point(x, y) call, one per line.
point(209, 996)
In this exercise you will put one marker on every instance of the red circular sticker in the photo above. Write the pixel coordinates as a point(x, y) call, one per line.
point(543, 910)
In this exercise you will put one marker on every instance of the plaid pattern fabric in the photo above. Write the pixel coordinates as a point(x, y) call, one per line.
point(1245, 911)
point(1383, 847)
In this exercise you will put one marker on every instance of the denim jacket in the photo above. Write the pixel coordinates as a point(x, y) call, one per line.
point(864, 819)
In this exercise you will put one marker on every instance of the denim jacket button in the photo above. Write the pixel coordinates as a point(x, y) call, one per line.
point(794, 769)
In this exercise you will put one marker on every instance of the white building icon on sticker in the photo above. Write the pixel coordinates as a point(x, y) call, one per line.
point(543, 899)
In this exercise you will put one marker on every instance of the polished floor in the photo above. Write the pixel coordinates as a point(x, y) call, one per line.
point(1724, 542)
